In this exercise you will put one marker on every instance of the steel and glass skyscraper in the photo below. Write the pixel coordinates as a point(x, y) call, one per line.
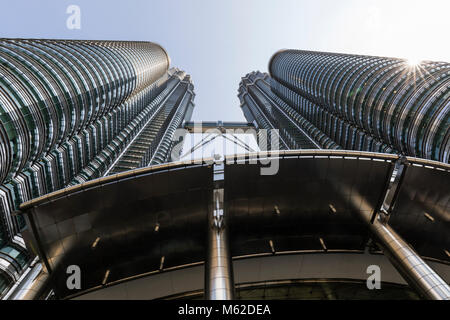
point(352, 102)
point(100, 111)
point(72, 111)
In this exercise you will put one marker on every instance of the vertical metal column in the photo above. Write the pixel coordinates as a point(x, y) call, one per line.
point(219, 282)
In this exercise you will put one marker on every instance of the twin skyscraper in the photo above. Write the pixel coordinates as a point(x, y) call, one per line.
point(72, 111)
point(350, 102)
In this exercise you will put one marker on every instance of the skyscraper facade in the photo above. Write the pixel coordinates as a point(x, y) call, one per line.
point(72, 111)
point(220, 229)
point(352, 102)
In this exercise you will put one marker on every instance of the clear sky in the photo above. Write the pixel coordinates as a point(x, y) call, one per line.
point(218, 42)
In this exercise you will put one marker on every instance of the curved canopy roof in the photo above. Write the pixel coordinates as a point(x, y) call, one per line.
point(126, 223)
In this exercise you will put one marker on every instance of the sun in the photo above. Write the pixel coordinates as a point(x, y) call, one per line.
point(413, 61)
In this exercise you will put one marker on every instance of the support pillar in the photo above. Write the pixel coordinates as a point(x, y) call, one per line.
point(409, 264)
point(219, 282)
point(32, 286)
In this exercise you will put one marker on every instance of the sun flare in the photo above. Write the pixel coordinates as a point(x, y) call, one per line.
point(413, 61)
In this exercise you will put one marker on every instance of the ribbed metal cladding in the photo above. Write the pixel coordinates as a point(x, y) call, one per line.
point(263, 107)
point(370, 103)
point(69, 109)
point(156, 125)
point(52, 89)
